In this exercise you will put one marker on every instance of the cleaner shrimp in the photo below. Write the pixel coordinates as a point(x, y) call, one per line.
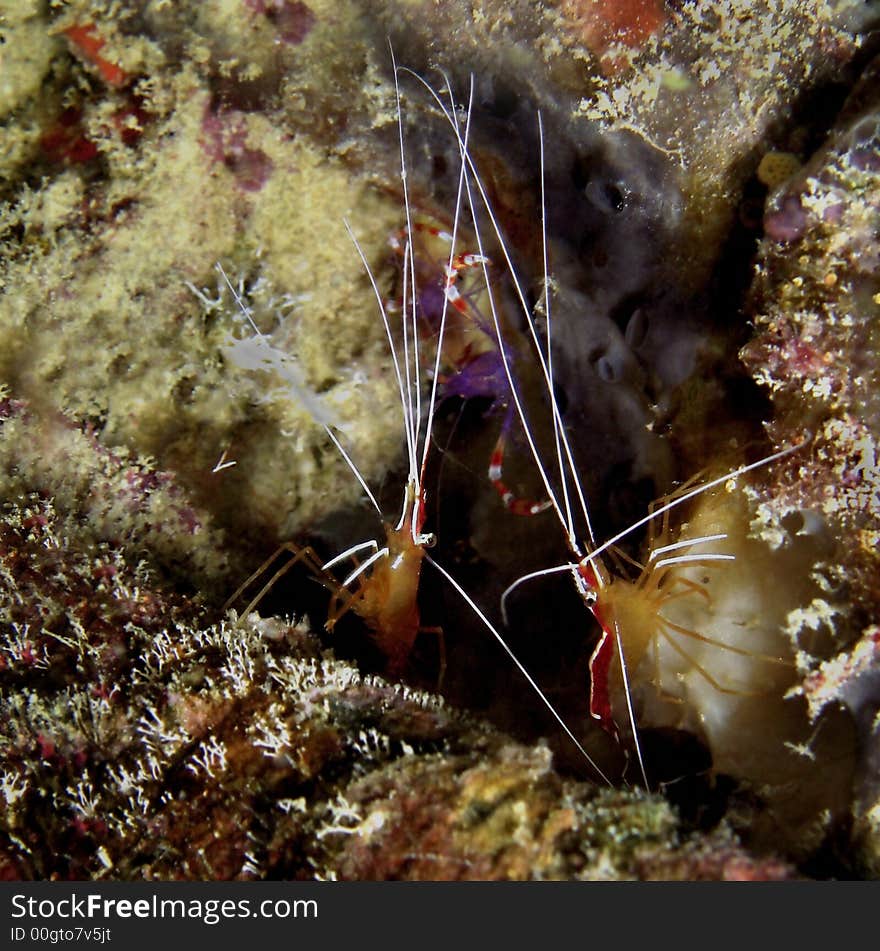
point(383, 589)
point(632, 614)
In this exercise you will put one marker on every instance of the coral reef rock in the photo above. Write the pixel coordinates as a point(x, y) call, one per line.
point(815, 304)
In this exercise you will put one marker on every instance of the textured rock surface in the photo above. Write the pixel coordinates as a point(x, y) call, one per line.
point(137, 743)
point(816, 303)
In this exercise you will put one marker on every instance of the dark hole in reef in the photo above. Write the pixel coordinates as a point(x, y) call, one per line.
point(608, 196)
point(120, 365)
point(580, 172)
point(96, 420)
point(15, 233)
point(625, 310)
point(119, 208)
point(183, 391)
point(326, 384)
point(627, 499)
point(792, 522)
point(679, 763)
point(834, 860)
point(504, 101)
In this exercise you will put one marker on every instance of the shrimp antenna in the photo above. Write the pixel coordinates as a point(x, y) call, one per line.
point(630, 713)
point(449, 268)
point(415, 413)
point(272, 351)
point(693, 493)
point(519, 666)
point(412, 404)
point(398, 375)
point(557, 427)
point(559, 431)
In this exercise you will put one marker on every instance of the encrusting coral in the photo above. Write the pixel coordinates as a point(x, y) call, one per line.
point(139, 743)
point(102, 321)
point(815, 304)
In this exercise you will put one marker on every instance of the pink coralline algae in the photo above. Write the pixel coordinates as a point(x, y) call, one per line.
point(816, 300)
point(292, 19)
point(225, 140)
point(125, 500)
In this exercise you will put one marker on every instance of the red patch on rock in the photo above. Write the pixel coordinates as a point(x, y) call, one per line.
point(66, 141)
point(87, 42)
point(603, 24)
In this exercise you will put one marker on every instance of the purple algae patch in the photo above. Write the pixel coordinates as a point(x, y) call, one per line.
point(293, 20)
point(225, 140)
point(787, 222)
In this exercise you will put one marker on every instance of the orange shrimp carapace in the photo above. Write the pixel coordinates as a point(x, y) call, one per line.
point(386, 599)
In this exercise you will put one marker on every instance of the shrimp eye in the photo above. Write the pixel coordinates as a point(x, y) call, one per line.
point(429, 540)
point(586, 591)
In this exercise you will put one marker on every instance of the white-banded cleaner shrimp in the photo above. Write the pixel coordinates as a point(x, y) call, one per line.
point(644, 644)
point(383, 589)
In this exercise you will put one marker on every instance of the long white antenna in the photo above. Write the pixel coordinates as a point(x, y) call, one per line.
point(693, 493)
point(412, 410)
point(466, 158)
point(385, 322)
point(531, 681)
point(514, 390)
point(350, 462)
point(560, 437)
point(547, 322)
point(592, 556)
point(263, 341)
point(445, 307)
point(631, 715)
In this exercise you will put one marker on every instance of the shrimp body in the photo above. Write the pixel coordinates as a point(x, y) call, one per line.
point(671, 634)
point(386, 600)
point(620, 609)
point(388, 605)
